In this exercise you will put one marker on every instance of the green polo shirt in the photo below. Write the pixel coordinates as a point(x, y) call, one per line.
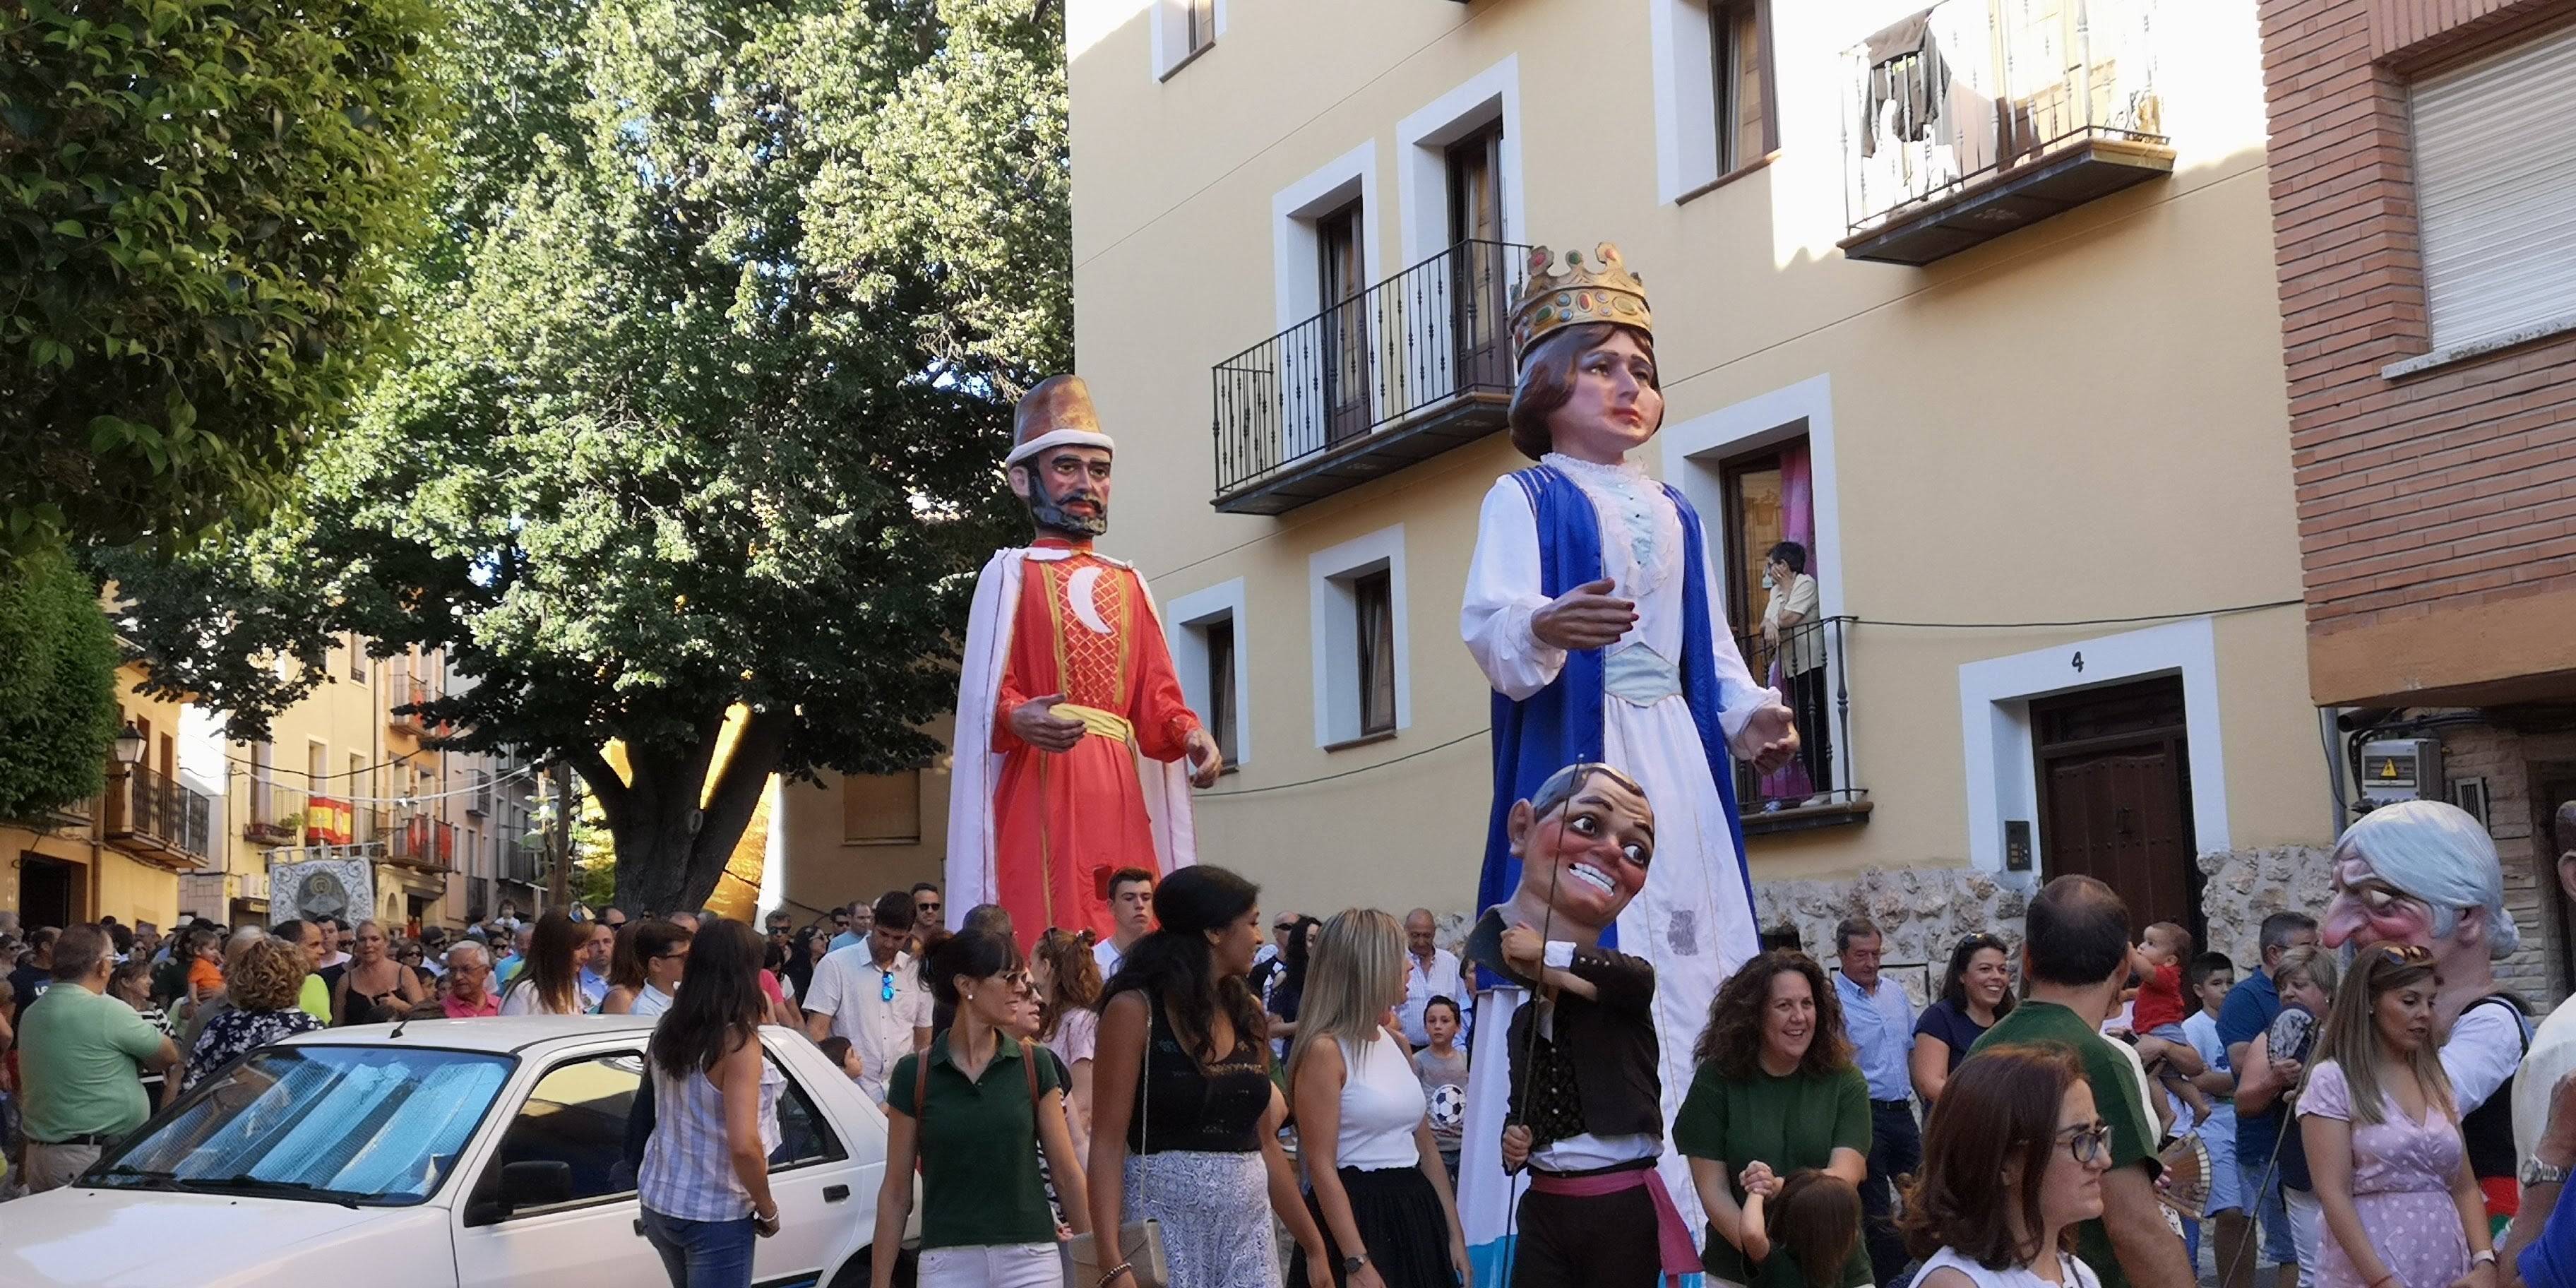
point(978, 1146)
point(1790, 1123)
point(2116, 1101)
point(77, 1052)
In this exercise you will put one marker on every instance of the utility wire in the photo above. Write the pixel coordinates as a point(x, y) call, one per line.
point(1309, 782)
point(2088, 621)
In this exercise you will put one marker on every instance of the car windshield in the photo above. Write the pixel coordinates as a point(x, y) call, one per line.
point(337, 1124)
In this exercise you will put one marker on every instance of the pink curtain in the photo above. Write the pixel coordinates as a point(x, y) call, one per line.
point(1797, 523)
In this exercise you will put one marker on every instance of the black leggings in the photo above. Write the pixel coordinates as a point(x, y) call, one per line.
point(1604, 1241)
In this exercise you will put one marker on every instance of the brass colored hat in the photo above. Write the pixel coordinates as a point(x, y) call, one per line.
point(1552, 299)
point(1057, 411)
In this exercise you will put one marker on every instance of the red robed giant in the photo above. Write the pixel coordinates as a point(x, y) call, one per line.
point(1075, 749)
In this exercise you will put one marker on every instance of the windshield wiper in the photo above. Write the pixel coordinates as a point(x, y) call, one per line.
point(282, 1189)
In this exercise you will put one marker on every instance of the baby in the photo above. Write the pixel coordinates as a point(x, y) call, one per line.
point(2157, 1017)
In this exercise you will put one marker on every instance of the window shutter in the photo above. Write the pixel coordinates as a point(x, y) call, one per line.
point(2496, 191)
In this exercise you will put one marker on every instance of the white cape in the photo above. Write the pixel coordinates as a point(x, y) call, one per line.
point(977, 769)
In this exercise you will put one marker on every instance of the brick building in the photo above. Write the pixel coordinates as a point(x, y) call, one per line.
point(2424, 218)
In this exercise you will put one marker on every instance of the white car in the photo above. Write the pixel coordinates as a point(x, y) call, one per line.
point(440, 1152)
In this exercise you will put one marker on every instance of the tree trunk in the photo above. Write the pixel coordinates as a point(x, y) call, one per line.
point(670, 853)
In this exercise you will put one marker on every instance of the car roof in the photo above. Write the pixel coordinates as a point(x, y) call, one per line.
point(499, 1035)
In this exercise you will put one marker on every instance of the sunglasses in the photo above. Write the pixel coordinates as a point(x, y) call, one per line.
point(2086, 1143)
point(885, 985)
point(2404, 954)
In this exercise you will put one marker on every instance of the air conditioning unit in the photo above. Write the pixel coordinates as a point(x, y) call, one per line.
point(2401, 769)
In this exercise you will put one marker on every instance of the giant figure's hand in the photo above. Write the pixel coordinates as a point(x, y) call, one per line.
point(1768, 739)
point(1588, 616)
point(1037, 724)
point(1206, 762)
point(1516, 1147)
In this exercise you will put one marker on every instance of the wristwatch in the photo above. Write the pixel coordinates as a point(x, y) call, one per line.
point(2536, 1172)
point(1352, 1263)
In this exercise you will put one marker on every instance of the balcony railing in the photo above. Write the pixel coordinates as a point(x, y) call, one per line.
point(1808, 664)
point(422, 842)
point(1976, 117)
point(1403, 371)
point(277, 815)
point(158, 818)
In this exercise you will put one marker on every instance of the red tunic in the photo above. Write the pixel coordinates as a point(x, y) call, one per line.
point(1063, 822)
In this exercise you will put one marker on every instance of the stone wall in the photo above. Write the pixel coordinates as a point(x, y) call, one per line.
point(2242, 887)
point(1920, 913)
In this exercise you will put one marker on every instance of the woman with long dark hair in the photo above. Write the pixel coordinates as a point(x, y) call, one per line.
point(1380, 1191)
point(1776, 1092)
point(1288, 989)
point(960, 1110)
point(704, 1183)
point(1185, 1119)
point(2012, 1163)
point(1975, 992)
point(1067, 978)
point(2382, 1130)
point(550, 984)
point(802, 954)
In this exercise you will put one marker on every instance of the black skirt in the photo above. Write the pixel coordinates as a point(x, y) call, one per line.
point(1402, 1228)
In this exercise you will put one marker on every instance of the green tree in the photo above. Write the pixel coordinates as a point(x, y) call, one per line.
point(196, 198)
point(58, 693)
point(712, 377)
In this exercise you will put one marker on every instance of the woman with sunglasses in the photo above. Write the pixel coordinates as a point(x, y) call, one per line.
point(975, 1110)
point(645, 975)
point(2402, 1206)
point(2012, 1162)
point(1976, 992)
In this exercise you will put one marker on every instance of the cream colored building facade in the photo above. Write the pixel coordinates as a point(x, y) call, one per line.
point(2078, 421)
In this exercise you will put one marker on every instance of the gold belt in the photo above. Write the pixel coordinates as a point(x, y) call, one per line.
point(1105, 724)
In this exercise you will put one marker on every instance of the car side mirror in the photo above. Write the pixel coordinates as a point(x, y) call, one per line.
point(530, 1184)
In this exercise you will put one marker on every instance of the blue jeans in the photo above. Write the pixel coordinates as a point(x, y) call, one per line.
point(702, 1254)
point(2263, 1205)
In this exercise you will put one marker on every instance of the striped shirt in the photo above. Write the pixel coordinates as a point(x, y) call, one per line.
point(688, 1167)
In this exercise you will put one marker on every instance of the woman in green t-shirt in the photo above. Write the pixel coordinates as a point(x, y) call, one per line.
point(1776, 1092)
point(975, 1108)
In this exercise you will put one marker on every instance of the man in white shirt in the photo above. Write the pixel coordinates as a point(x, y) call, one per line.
point(1429, 971)
point(596, 954)
point(1131, 901)
point(871, 994)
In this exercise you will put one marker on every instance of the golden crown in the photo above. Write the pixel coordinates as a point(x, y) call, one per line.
point(1551, 299)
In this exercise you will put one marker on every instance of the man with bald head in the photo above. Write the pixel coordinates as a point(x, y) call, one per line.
point(1429, 971)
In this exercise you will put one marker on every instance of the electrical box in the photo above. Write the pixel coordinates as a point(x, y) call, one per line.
point(2401, 769)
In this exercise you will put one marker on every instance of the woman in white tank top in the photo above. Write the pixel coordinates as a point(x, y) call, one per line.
point(1380, 1191)
point(2013, 1162)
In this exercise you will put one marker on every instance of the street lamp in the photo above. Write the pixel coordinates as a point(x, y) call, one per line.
point(130, 744)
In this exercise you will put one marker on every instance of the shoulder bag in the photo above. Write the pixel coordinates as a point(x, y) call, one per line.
point(1140, 1243)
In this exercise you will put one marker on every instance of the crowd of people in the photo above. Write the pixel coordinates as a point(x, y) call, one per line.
point(2074, 1106)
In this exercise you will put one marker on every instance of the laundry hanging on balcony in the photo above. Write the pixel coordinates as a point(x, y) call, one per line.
point(1905, 69)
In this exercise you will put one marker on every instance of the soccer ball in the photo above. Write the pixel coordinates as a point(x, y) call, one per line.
point(1448, 1107)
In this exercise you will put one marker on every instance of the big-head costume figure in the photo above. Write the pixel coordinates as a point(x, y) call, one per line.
point(1593, 607)
point(1075, 751)
point(1565, 1090)
point(2425, 873)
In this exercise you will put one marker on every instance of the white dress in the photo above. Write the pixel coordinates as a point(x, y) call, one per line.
point(1693, 920)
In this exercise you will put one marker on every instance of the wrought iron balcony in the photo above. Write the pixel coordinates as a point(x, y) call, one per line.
point(1810, 665)
point(1410, 368)
point(1961, 124)
point(157, 819)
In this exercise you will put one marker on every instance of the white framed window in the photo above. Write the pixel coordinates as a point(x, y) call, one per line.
point(1296, 212)
point(1183, 30)
point(1209, 634)
point(1361, 657)
point(1713, 91)
point(2495, 199)
point(1488, 105)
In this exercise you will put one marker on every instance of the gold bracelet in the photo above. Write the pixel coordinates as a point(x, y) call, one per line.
point(1114, 1271)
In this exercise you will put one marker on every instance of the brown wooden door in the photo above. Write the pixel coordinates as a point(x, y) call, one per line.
point(1342, 286)
point(1478, 269)
point(2115, 797)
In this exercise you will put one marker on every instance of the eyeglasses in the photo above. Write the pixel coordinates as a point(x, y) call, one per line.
point(885, 985)
point(2087, 1142)
point(663, 957)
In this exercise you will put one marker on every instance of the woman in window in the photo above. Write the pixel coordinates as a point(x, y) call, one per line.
point(960, 1109)
point(375, 987)
point(2382, 1131)
point(1975, 993)
point(1200, 1151)
point(1776, 1092)
point(704, 1182)
point(646, 973)
point(1380, 1191)
point(2011, 1163)
point(1067, 978)
point(266, 979)
point(550, 981)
